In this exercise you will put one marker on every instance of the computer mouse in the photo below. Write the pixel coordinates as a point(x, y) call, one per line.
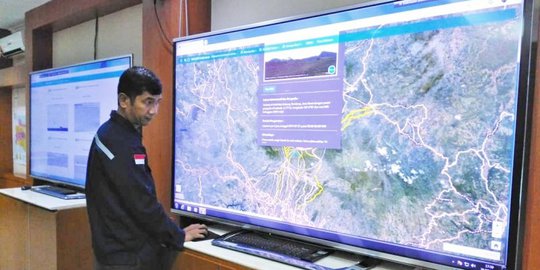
point(208, 236)
point(26, 187)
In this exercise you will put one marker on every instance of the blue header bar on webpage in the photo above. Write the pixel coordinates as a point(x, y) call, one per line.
point(100, 76)
point(417, 27)
point(340, 16)
point(81, 67)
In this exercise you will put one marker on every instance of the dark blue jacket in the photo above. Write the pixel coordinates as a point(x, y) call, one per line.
point(122, 206)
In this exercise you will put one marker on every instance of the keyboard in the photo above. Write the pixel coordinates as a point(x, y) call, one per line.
point(59, 192)
point(277, 244)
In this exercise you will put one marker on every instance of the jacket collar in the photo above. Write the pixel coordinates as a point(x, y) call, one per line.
point(116, 117)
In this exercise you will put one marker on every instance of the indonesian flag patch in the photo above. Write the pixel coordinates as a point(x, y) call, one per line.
point(139, 159)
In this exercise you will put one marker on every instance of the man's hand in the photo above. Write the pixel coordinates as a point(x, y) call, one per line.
point(195, 231)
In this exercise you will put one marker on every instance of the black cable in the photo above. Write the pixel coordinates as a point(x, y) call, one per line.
point(163, 34)
point(96, 37)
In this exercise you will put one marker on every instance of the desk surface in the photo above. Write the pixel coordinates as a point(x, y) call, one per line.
point(42, 200)
point(334, 261)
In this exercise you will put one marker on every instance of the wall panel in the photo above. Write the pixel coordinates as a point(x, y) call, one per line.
point(158, 56)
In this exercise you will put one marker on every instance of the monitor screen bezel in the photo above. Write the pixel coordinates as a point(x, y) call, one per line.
point(525, 97)
point(57, 180)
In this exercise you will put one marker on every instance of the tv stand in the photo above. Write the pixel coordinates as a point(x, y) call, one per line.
point(43, 232)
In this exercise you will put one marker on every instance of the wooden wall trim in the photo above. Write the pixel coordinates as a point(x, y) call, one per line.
point(531, 242)
point(6, 138)
point(13, 76)
point(197, 10)
point(61, 14)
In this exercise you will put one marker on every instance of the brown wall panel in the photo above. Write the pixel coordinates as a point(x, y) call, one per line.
point(42, 245)
point(531, 244)
point(8, 180)
point(32, 237)
point(193, 260)
point(6, 158)
point(13, 76)
point(158, 56)
point(73, 227)
point(200, 13)
point(13, 233)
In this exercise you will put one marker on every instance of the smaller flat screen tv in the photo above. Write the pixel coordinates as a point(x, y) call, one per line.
point(67, 105)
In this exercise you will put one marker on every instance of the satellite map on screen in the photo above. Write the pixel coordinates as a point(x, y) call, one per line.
point(425, 157)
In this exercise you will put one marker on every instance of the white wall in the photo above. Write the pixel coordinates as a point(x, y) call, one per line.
point(74, 44)
point(119, 33)
point(232, 13)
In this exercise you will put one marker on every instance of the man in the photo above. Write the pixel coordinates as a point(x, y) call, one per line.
point(130, 229)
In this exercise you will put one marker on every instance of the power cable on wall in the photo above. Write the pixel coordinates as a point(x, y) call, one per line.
point(96, 30)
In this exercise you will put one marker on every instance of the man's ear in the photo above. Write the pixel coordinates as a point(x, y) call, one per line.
point(123, 100)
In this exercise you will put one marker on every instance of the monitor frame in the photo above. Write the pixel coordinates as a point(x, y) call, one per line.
point(39, 179)
point(525, 98)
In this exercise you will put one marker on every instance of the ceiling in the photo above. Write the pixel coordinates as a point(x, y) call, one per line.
point(12, 12)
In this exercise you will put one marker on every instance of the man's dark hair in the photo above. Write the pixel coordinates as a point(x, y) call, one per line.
point(135, 80)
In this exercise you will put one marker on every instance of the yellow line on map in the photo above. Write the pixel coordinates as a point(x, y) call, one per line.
point(321, 189)
point(353, 115)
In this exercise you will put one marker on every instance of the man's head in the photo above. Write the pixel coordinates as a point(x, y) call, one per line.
point(139, 95)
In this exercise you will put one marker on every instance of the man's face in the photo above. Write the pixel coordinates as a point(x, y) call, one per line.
point(142, 110)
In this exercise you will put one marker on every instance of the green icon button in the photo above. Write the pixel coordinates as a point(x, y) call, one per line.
point(332, 69)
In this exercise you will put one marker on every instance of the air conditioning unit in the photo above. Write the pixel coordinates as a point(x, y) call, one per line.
point(12, 44)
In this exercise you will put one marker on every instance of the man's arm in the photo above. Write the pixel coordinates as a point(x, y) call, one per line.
point(135, 189)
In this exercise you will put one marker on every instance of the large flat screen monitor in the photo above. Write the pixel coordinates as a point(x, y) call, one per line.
point(396, 129)
point(67, 105)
